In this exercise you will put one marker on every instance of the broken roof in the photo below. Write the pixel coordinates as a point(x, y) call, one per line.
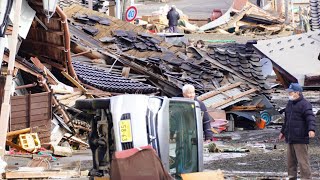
point(295, 55)
point(49, 40)
point(225, 96)
point(241, 58)
point(110, 82)
point(243, 11)
point(168, 67)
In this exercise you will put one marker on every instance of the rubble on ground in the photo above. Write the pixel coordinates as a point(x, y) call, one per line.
point(94, 55)
point(169, 67)
point(249, 19)
point(243, 18)
point(132, 61)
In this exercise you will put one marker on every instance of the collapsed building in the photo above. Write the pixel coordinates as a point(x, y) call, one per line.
point(106, 56)
point(80, 54)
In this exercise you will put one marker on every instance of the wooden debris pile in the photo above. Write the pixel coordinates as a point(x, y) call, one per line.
point(230, 74)
point(165, 66)
point(40, 103)
point(249, 20)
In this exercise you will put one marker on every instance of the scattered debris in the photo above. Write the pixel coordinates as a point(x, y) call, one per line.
point(84, 54)
point(218, 175)
point(29, 142)
point(241, 18)
point(62, 151)
point(40, 173)
point(236, 150)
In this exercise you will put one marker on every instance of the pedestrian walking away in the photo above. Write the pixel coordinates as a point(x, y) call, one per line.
point(173, 17)
point(298, 127)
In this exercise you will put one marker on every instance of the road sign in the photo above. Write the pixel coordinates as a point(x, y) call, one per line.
point(131, 13)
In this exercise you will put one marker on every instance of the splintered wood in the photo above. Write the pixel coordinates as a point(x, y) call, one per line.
point(41, 174)
point(209, 175)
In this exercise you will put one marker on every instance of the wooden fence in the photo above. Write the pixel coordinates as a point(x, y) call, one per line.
point(32, 110)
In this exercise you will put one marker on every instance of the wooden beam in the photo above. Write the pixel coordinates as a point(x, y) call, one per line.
point(41, 174)
point(29, 41)
point(61, 33)
point(218, 175)
point(17, 132)
point(67, 96)
point(59, 66)
point(125, 72)
point(76, 83)
point(246, 108)
point(73, 138)
point(281, 79)
point(215, 105)
point(57, 105)
point(39, 65)
point(20, 66)
point(231, 23)
point(6, 105)
point(47, 60)
point(11, 144)
point(81, 53)
point(218, 91)
point(98, 92)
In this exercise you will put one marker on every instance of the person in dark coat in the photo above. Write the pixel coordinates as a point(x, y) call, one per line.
point(173, 17)
point(298, 127)
point(188, 91)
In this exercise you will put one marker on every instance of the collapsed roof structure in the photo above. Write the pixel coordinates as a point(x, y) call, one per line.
point(104, 56)
point(295, 58)
point(168, 67)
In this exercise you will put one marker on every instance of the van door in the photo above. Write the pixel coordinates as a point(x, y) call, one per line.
point(185, 144)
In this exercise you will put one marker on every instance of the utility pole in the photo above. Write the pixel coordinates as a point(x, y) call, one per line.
point(6, 104)
point(286, 11)
point(118, 9)
point(279, 7)
point(125, 5)
point(292, 14)
point(90, 4)
point(2, 44)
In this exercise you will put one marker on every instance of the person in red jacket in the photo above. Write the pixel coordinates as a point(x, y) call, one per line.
point(298, 127)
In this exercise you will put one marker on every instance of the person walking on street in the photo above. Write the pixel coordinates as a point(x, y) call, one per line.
point(173, 17)
point(188, 91)
point(298, 127)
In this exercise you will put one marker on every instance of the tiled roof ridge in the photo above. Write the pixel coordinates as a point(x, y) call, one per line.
point(107, 81)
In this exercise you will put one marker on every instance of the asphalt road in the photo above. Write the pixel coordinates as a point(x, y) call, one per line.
point(192, 8)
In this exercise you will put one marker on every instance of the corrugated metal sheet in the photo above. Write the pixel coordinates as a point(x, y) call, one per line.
point(297, 54)
point(222, 97)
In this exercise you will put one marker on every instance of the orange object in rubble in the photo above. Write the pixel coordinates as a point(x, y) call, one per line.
point(261, 124)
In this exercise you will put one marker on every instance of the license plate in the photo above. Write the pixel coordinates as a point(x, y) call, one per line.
point(125, 131)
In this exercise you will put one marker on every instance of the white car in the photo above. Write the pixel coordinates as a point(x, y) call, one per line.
point(173, 126)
